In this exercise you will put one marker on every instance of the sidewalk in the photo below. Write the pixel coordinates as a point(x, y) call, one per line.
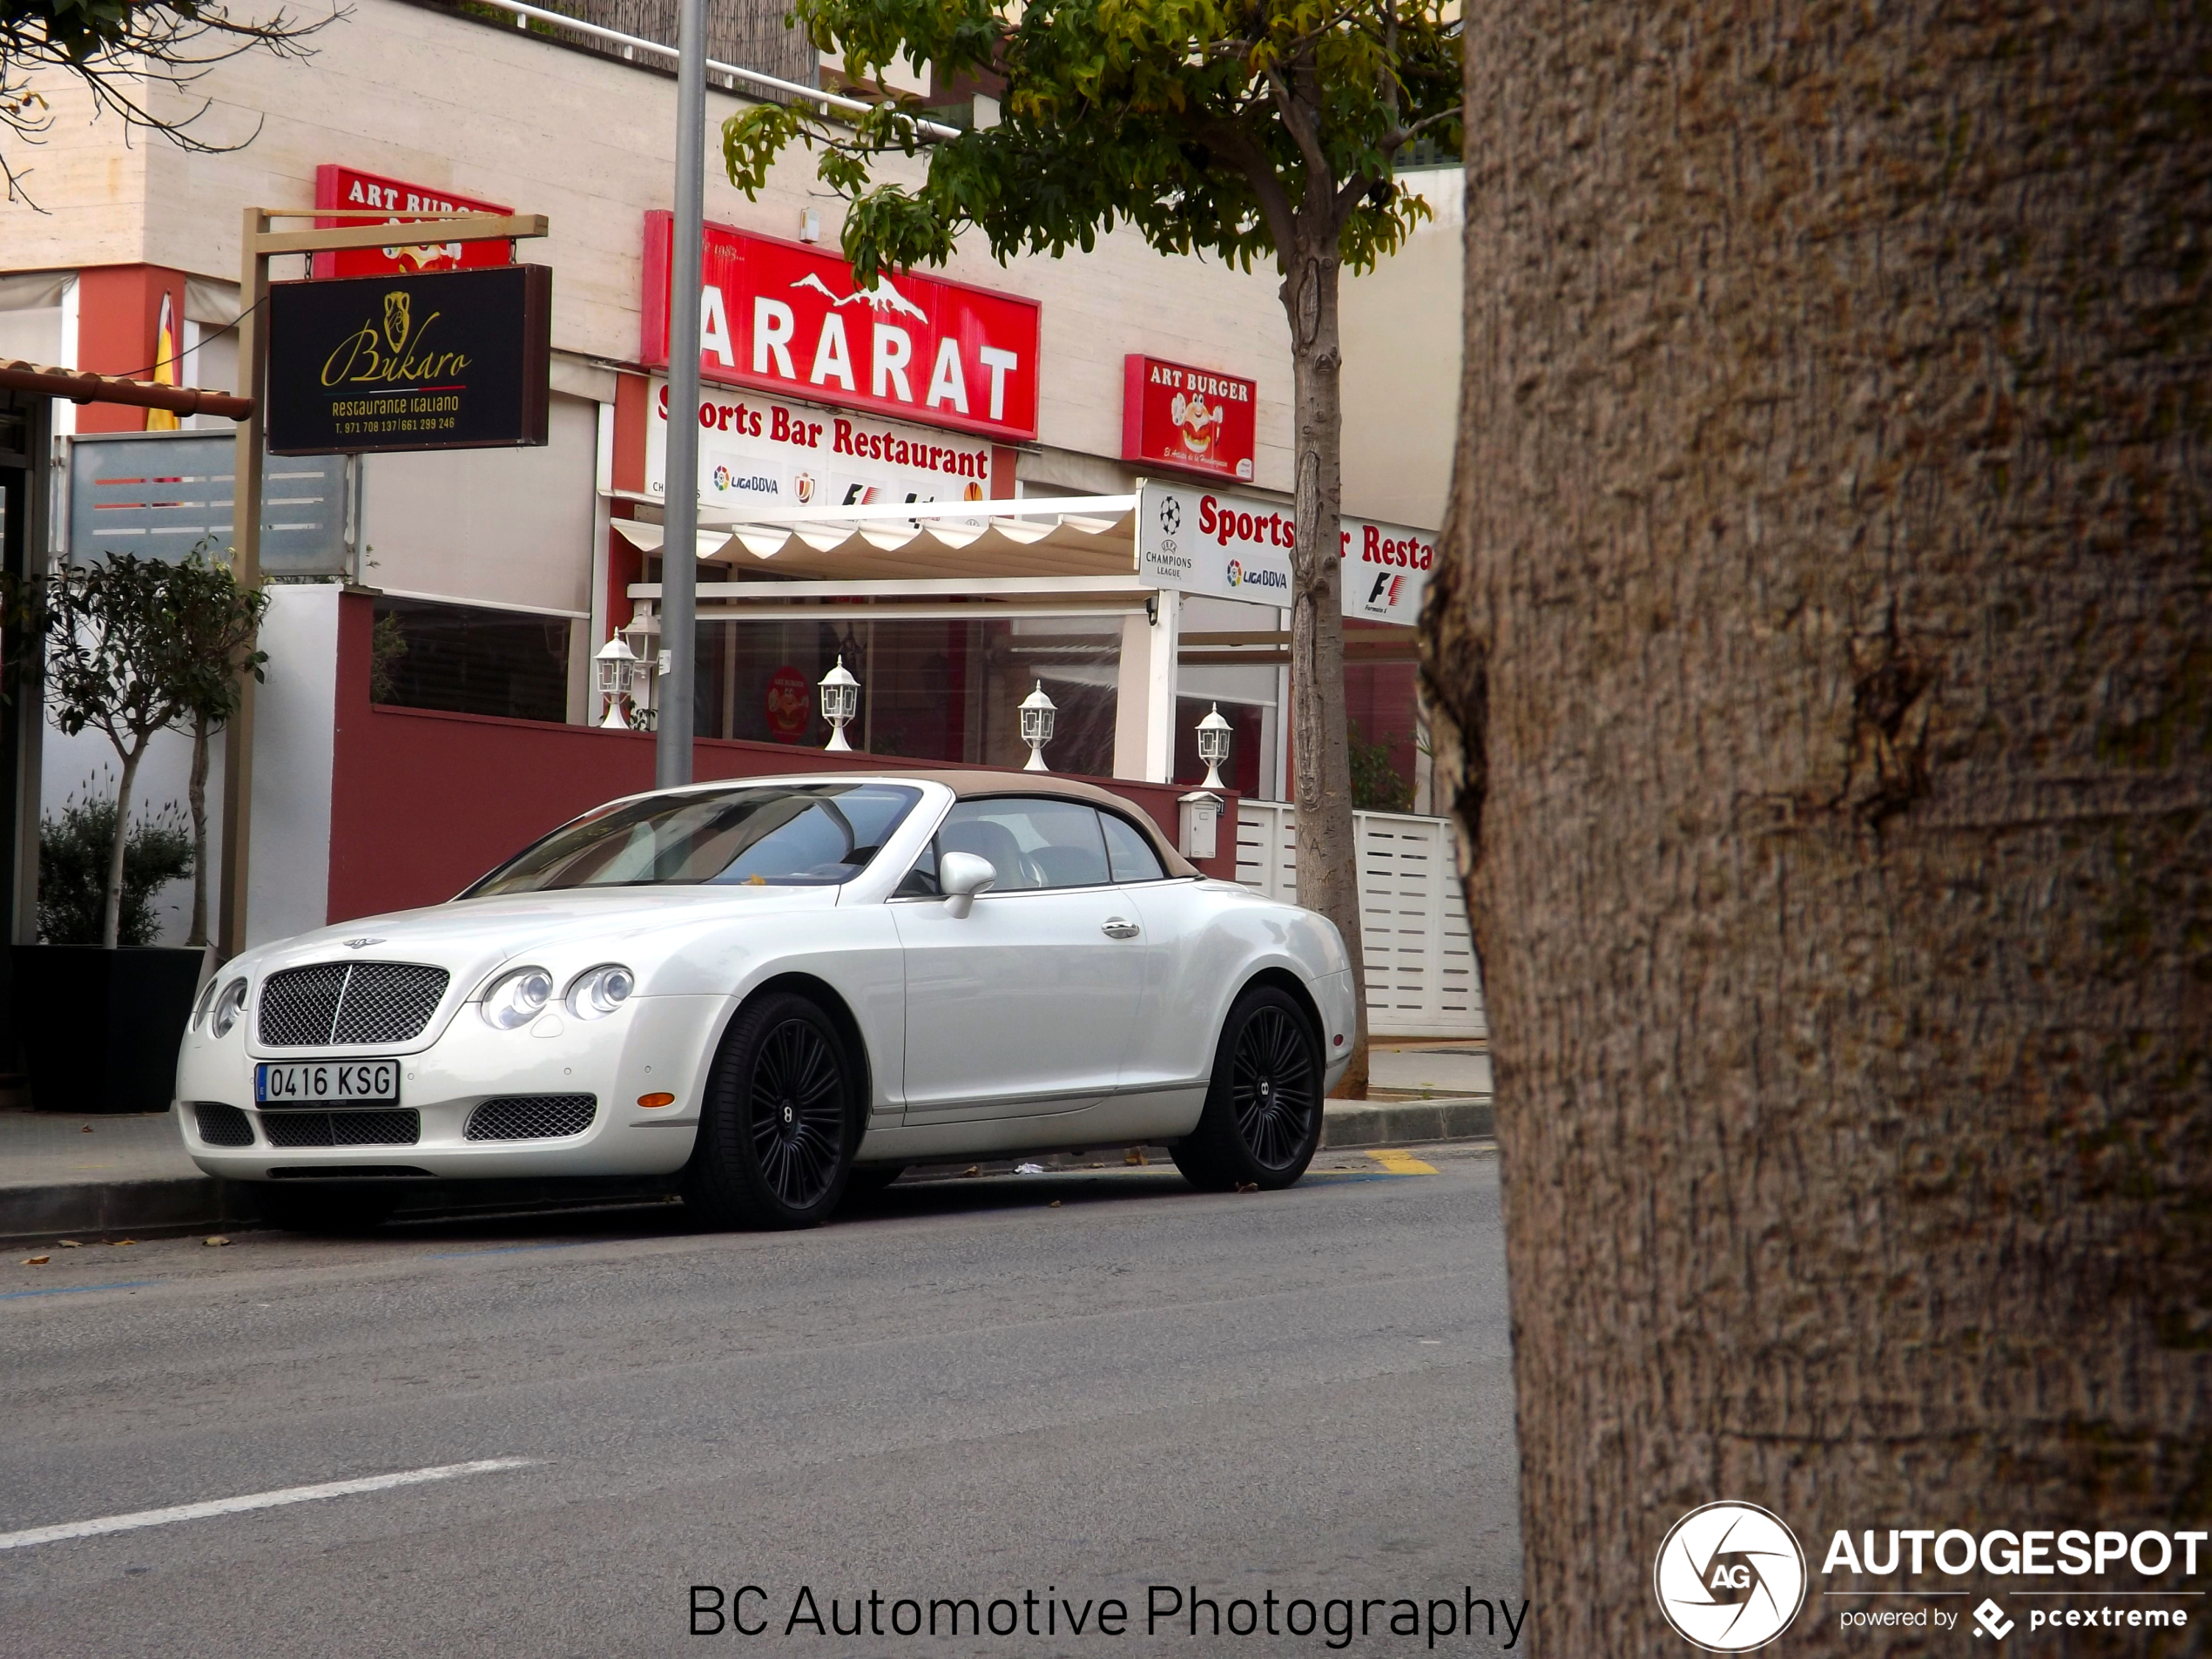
point(64, 1174)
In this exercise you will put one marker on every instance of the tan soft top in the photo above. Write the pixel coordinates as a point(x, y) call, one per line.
point(976, 785)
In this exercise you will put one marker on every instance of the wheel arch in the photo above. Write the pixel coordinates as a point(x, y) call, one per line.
point(832, 1002)
point(1282, 980)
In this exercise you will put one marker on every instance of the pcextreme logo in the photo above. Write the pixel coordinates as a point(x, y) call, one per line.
point(1729, 1577)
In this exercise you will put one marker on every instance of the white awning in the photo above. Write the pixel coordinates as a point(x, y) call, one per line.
point(648, 538)
point(1079, 535)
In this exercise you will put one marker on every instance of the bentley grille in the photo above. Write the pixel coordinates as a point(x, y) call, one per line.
point(331, 1002)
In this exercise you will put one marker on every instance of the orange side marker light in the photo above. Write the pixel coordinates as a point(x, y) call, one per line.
point(653, 1103)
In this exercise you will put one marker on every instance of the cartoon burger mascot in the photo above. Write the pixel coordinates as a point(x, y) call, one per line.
point(1196, 421)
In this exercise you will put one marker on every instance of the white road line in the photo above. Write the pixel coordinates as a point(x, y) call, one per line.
point(253, 1501)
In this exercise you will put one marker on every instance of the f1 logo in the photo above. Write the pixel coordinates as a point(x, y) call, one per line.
point(1992, 1619)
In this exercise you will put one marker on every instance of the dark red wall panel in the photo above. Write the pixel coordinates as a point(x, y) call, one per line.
point(423, 802)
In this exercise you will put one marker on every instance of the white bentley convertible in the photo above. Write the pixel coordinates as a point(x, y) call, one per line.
point(778, 988)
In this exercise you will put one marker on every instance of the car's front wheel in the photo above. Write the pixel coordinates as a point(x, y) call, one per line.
point(1263, 1115)
point(781, 1121)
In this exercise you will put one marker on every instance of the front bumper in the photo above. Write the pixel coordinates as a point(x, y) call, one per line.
point(653, 1045)
point(1334, 995)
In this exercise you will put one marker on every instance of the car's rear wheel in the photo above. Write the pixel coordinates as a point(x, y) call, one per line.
point(1263, 1115)
point(780, 1122)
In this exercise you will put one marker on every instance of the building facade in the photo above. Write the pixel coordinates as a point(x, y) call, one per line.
point(496, 575)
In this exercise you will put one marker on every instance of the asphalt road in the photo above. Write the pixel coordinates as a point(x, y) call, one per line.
point(959, 1391)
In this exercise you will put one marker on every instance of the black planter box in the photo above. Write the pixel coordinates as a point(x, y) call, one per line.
point(100, 1028)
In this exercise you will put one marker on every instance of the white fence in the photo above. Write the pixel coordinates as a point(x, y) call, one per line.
point(1422, 981)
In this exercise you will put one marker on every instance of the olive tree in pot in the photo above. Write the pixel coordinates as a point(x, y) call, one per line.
point(134, 647)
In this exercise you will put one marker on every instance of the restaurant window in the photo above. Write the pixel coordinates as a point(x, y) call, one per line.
point(935, 691)
point(469, 659)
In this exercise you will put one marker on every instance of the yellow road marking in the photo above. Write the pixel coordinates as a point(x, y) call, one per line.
point(1401, 1162)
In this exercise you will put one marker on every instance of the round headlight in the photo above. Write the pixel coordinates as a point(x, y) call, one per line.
point(515, 999)
point(599, 991)
point(228, 1007)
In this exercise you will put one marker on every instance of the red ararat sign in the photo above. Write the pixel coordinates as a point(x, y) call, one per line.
point(783, 317)
point(1190, 418)
point(337, 186)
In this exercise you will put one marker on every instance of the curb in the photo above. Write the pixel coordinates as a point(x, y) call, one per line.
point(181, 1202)
point(1359, 1122)
point(185, 1203)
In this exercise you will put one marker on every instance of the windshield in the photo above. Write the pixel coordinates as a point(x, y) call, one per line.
point(764, 835)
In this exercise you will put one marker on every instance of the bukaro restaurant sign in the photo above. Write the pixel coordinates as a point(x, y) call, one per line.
point(454, 360)
point(787, 318)
point(1190, 418)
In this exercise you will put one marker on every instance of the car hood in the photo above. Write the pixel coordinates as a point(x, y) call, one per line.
point(473, 936)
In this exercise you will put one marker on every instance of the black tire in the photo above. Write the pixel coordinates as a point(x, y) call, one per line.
point(781, 1120)
point(1263, 1115)
point(317, 1207)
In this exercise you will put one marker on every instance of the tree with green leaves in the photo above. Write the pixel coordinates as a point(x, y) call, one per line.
point(135, 647)
point(117, 50)
point(1232, 130)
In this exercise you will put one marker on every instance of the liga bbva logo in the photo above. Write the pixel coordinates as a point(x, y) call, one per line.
point(1729, 1577)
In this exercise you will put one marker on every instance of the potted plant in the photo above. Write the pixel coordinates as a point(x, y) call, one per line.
point(134, 647)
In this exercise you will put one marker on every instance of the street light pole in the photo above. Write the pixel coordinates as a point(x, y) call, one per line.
point(680, 504)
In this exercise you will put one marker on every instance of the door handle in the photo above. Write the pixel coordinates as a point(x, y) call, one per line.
point(1116, 928)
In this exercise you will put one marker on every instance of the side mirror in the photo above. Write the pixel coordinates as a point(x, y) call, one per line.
point(962, 875)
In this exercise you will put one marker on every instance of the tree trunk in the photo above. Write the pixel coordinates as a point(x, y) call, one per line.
point(1821, 659)
point(1328, 870)
point(196, 792)
point(112, 902)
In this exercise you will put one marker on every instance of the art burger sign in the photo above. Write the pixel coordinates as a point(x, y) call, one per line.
point(1236, 547)
point(1192, 419)
point(786, 318)
point(457, 360)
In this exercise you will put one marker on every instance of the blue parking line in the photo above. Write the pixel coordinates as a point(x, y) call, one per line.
point(1342, 1175)
point(73, 1290)
point(502, 1250)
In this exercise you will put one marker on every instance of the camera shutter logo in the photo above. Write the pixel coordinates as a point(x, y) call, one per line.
point(1729, 1577)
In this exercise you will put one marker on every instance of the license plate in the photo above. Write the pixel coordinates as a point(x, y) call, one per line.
point(325, 1082)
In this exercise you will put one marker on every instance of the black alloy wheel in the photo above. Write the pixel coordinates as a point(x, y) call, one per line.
point(780, 1122)
point(1262, 1120)
point(797, 1113)
point(1273, 1085)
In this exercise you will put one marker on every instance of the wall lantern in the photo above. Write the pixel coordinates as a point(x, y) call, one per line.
point(840, 702)
point(643, 634)
point(611, 670)
point(1036, 726)
point(1214, 735)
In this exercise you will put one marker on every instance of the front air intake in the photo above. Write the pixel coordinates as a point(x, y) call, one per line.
point(295, 1129)
point(222, 1125)
point(532, 1117)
